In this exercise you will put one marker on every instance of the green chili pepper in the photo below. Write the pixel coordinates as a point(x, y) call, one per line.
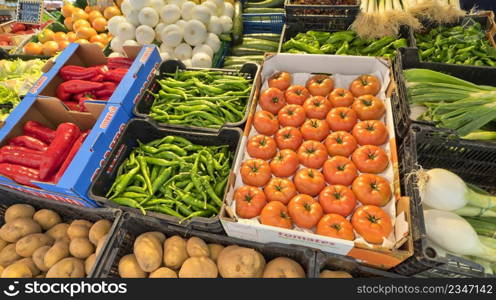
point(129, 202)
point(145, 173)
point(125, 180)
point(161, 179)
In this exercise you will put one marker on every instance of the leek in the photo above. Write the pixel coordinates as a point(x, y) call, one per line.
point(483, 228)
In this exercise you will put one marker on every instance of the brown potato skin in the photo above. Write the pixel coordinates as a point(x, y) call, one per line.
point(240, 262)
point(18, 228)
point(8, 255)
point(18, 211)
point(47, 218)
point(175, 252)
point(99, 229)
point(68, 267)
point(27, 245)
point(283, 267)
point(198, 267)
point(148, 251)
point(129, 267)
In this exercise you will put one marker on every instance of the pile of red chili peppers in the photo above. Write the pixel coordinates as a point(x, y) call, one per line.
point(41, 154)
point(92, 83)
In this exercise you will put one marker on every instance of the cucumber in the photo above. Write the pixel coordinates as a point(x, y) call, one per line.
point(240, 51)
point(263, 10)
point(264, 36)
point(265, 46)
point(237, 30)
point(244, 58)
point(238, 66)
point(249, 40)
point(267, 4)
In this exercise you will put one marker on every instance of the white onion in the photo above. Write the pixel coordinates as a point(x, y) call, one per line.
point(126, 31)
point(187, 10)
point(148, 16)
point(170, 13)
point(183, 51)
point(204, 48)
point(201, 60)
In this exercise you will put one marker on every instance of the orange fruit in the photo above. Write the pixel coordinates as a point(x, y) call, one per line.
point(98, 39)
point(67, 10)
point(71, 36)
point(93, 15)
point(68, 23)
point(82, 41)
point(86, 33)
point(45, 36)
point(33, 48)
point(111, 11)
point(80, 23)
point(50, 48)
point(63, 45)
point(99, 24)
point(89, 9)
point(79, 15)
point(104, 36)
point(102, 46)
point(60, 36)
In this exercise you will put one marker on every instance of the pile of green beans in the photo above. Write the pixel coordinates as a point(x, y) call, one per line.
point(201, 98)
point(175, 177)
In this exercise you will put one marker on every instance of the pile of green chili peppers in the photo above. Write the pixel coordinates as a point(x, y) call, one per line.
point(201, 99)
point(342, 43)
point(462, 45)
point(175, 177)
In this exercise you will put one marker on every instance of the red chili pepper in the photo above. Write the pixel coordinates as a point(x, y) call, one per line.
point(80, 96)
point(28, 142)
point(20, 174)
point(78, 73)
point(82, 107)
point(119, 62)
point(36, 130)
point(65, 136)
point(98, 78)
point(70, 156)
point(72, 105)
point(104, 94)
point(107, 85)
point(80, 86)
point(115, 75)
point(62, 94)
point(21, 156)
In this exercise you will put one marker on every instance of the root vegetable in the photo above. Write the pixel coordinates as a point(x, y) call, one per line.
point(129, 267)
point(18, 211)
point(175, 252)
point(46, 218)
point(163, 273)
point(240, 262)
point(283, 267)
point(197, 247)
point(198, 267)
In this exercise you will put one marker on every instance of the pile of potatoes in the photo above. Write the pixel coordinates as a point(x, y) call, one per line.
point(154, 256)
point(37, 244)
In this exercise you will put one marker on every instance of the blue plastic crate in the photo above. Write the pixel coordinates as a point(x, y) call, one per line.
point(263, 23)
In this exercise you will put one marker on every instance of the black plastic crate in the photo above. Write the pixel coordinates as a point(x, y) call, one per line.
point(133, 225)
point(145, 102)
point(144, 131)
point(67, 212)
point(297, 13)
point(475, 163)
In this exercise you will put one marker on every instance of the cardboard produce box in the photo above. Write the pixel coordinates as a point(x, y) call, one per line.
point(394, 249)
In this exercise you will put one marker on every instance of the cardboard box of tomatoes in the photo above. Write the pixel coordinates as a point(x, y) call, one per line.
point(319, 164)
point(125, 91)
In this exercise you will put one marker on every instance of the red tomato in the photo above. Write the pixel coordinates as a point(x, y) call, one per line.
point(305, 211)
point(249, 201)
point(276, 214)
point(255, 172)
point(280, 189)
point(337, 199)
point(312, 154)
point(317, 107)
point(285, 163)
point(309, 181)
point(289, 138)
point(340, 170)
point(341, 98)
point(365, 85)
point(335, 226)
point(341, 119)
point(370, 159)
point(265, 123)
point(372, 189)
point(291, 115)
point(369, 107)
point(340, 143)
point(296, 94)
point(372, 223)
point(280, 80)
point(272, 100)
point(261, 146)
point(320, 85)
point(314, 129)
point(370, 133)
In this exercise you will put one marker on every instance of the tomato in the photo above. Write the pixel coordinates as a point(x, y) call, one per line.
point(309, 181)
point(341, 119)
point(265, 122)
point(249, 201)
point(341, 98)
point(320, 85)
point(317, 107)
point(340, 170)
point(314, 129)
point(371, 132)
point(340, 143)
point(370, 159)
point(372, 223)
point(261, 146)
point(305, 211)
point(289, 138)
point(296, 94)
point(276, 214)
point(335, 226)
point(312, 154)
point(291, 115)
point(365, 85)
point(255, 172)
point(372, 189)
point(337, 199)
point(285, 163)
point(280, 189)
point(369, 107)
point(272, 100)
point(280, 80)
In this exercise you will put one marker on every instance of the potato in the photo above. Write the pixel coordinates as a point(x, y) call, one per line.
point(58, 231)
point(1, 270)
point(78, 231)
point(82, 222)
point(28, 262)
point(335, 274)
point(68, 267)
point(175, 252)
point(3, 244)
point(26, 246)
point(39, 258)
point(148, 251)
point(283, 267)
point(41, 276)
point(197, 247)
point(159, 235)
point(198, 267)
point(47, 218)
point(100, 244)
point(129, 267)
point(57, 252)
point(163, 273)
point(89, 263)
point(18, 211)
point(240, 262)
point(98, 230)
point(16, 229)
point(8, 255)
point(81, 248)
point(215, 250)
point(17, 271)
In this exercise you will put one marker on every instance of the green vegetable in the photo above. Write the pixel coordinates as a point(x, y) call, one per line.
point(264, 36)
point(266, 4)
point(237, 30)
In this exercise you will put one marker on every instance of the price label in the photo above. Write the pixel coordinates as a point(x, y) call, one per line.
point(29, 11)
